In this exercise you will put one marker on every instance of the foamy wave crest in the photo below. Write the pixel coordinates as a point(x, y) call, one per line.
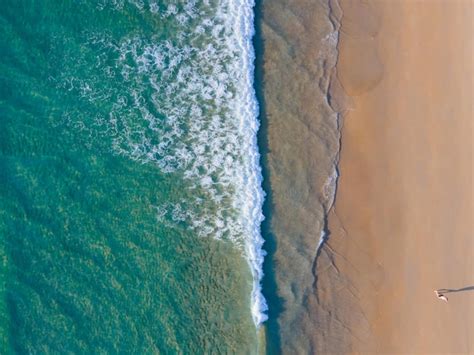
point(252, 194)
point(186, 104)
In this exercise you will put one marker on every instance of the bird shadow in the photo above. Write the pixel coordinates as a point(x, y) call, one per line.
point(449, 290)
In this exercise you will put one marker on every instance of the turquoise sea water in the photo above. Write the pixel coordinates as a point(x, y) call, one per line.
point(130, 197)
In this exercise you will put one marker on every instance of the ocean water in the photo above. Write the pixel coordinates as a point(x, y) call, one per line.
point(130, 198)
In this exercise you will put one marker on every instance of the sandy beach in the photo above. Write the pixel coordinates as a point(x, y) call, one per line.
point(299, 141)
point(402, 225)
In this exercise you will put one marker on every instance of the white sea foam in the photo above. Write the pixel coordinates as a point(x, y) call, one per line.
point(329, 188)
point(252, 195)
point(188, 106)
point(322, 238)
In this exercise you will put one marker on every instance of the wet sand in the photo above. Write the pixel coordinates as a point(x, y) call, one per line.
point(402, 225)
point(299, 141)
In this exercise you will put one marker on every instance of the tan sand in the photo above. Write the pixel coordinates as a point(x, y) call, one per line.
point(403, 219)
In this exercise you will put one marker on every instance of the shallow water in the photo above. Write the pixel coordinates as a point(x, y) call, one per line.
point(130, 187)
point(297, 44)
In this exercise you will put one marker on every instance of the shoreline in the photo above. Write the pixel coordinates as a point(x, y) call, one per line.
point(269, 332)
point(299, 142)
point(255, 253)
point(401, 223)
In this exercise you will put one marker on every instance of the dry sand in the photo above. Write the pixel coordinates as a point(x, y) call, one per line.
point(402, 225)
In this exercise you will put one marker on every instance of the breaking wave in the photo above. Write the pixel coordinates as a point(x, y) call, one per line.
point(185, 103)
